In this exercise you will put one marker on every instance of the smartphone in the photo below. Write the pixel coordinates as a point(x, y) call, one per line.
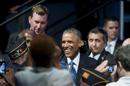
point(2, 67)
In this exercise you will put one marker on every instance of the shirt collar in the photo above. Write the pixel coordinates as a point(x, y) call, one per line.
point(75, 60)
point(113, 42)
point(96, 57)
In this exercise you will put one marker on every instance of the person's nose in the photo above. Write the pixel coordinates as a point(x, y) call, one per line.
point(93, 43)
point(38, 25)
point(65, 45)
point(115, 29)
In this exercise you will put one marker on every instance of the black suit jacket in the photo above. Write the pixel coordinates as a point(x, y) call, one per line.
point(103, 56)
point(106, 56)
point(84, 62)
point(118, 44)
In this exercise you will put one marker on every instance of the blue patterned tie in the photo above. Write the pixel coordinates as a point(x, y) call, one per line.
point(72, 70)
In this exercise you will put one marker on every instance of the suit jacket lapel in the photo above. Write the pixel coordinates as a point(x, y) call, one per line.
point(118, 44)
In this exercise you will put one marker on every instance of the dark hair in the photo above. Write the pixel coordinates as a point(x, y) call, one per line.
point(110, 18)
point(123, 55)
point(100, 30)
point(42, 50)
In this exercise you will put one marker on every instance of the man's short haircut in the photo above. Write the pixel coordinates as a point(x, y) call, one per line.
point(42, 50)
point(39, 9)
point(74, 31)
point(123, 55)
point(110, 18)
point(100, 30)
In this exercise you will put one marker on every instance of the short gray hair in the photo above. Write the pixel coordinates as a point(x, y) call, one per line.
point(74, 31)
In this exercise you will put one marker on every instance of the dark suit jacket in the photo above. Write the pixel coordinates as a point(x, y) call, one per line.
point(14, 41)
point(83, 63)
point(103, 56)
point(118, 44)
point(106, 56)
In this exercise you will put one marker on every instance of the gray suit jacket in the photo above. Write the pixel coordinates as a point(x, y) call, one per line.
point(43, 77)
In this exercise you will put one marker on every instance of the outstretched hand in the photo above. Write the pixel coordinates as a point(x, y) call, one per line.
point(103, 67)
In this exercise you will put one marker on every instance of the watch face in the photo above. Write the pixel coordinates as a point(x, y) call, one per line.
point(110, 69)
point(2, 67)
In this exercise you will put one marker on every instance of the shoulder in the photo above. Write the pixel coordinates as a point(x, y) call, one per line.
point(62, 72)
point(113, 84)
point(61, 77)
point(85, 58)
point(13, 37)
point(87, 62)
point(13, 40)
point(24, 72)
point(119, 42)
point(106, 55)
point(18, 34)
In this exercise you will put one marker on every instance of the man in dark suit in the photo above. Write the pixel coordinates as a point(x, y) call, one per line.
point(111, 26)
point(97, 40)
point(71, 43)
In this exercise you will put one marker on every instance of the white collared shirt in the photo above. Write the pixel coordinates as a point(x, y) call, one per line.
point(113, 44)
point(96, 57)
point(75, 60)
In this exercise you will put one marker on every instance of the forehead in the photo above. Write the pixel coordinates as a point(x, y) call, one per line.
point(39, 17)
point(69, 36)
point(95, 36)
point(112, 23)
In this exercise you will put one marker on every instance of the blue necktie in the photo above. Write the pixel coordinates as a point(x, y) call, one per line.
point(72, 70)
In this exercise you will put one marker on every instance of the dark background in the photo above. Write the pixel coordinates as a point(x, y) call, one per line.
point(66, 13)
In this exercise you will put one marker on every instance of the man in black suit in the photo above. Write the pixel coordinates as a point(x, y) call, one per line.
point(97, 40)
point(111, 26)
point(71, 43)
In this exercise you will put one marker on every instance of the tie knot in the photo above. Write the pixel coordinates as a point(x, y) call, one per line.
point(109, 45)
point(71, 63)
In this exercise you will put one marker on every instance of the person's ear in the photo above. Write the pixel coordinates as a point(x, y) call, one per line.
point(81, 43)
point(29, 19)
point(119, 65)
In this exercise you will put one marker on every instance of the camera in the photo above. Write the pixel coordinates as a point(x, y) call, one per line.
point(2, 67)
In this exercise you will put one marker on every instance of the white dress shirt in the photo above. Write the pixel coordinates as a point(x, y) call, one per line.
point(112, 48)
point(75, 60)
point(96, 57)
